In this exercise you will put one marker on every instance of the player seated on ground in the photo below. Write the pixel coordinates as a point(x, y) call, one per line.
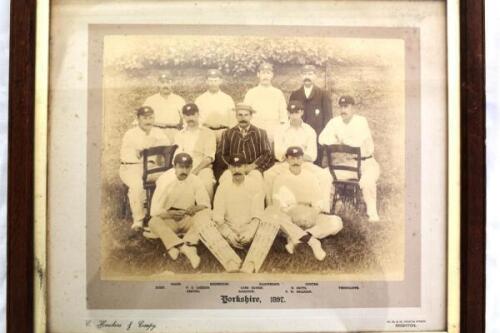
point(297, 133)
point(353, 130)
point(239, 216)
point(179, 202)
point(135, 140)
point(199, 143)
point(297, 197)
point(248, 141)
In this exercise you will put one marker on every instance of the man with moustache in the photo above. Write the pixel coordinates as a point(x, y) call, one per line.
point(239, 216)
point(216, 107)
point(167, 106)
point(297, 133)
point(353, 130)
point(268, 102)
point(199, 143)
point(180, 203)
point(248, 141)
point(296, 194)
point(317, 105)
point(135, 140)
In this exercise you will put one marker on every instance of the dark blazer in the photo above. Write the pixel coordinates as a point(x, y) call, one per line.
point(317, 108)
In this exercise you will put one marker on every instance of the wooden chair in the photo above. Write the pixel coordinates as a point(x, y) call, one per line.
point(155, 160)
point(125, 211)
point(346, 160)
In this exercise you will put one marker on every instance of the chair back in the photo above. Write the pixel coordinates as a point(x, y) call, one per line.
point(344, 158)
point(156, 160)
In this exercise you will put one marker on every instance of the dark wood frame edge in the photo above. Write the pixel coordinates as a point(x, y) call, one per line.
point(20, 256)
point(20, 166)
point(473, 166)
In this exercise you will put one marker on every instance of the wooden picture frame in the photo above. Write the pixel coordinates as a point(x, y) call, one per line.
point(24, 270)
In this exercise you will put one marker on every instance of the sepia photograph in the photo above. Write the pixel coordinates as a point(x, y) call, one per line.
point(221, 166)
point(271, 152)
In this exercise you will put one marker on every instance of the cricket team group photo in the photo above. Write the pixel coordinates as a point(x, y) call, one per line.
point(269, 168)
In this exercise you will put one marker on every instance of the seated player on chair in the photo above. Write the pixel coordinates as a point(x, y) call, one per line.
point(199, 143)
point(296, 196)
point(248, 141)
point(353, 130)
point(135, 140)
point(180, 202)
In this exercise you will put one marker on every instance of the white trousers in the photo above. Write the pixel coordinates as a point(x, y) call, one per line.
point(300, 220)
point(169, 230)
point(271, 215)
point(131, 175)
point(323, 176)
point(370, 172)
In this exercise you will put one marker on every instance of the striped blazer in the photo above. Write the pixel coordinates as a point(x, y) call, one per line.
point(254, 146)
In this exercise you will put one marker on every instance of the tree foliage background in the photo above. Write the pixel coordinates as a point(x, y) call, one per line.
point(235, 56)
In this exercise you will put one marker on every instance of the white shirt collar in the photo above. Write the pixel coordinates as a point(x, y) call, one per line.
point(308, 91)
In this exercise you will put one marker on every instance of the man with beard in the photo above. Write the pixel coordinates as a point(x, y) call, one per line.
point(353, 130)
point(248, 141)
point(199, 143)
point(317, 105)
point(297, 195)
point(167, 106)
point(135, 140)
point(216, 107)
point(297, 133)
point(180, 202)
point(267, 101)
point(239, 216)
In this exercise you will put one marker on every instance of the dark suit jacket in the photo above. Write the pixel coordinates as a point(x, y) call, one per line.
point(317, 108)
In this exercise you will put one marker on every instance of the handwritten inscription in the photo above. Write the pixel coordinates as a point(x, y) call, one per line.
point(119, 325)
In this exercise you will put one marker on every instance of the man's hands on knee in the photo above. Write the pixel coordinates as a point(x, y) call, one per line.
point(192, 210)
point(173, 214)
point(232, 238)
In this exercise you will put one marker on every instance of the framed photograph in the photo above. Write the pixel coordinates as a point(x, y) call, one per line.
point(251, 166)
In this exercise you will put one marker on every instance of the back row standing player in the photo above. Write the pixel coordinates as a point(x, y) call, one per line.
point(167, 106)
point(317, 105)
point(271, 109)
point(216, 107)
point(267, 101)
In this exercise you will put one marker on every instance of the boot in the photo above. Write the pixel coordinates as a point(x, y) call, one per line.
point(318, 251)
point(190, 253)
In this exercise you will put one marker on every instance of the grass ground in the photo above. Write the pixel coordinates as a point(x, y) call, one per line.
point(360, 248)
